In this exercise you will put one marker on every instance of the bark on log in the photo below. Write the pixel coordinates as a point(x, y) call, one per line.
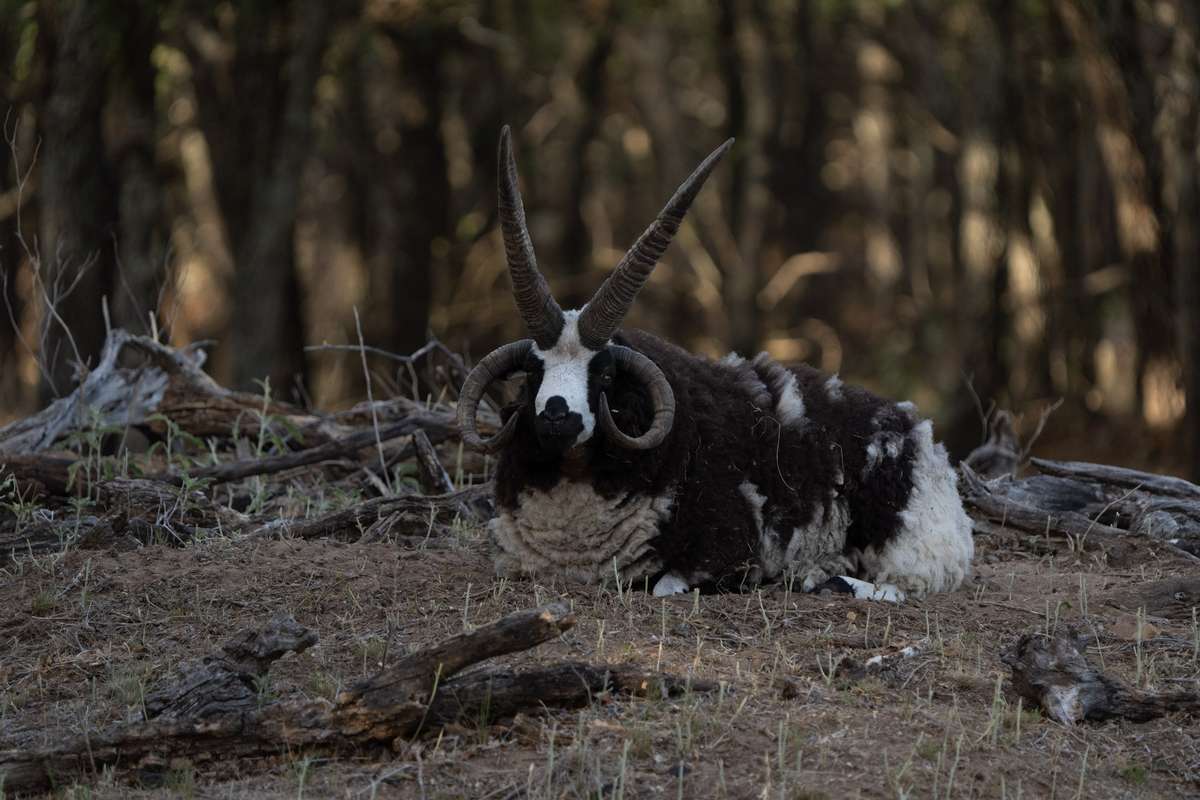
point(1053, 673)
point(429, 509)
point(228, 681)
point(1000, 455)
point(328, 451)
point(1119, 476)
point(990, 501)
point(211, 714)
point(430, 472)
point(134, 510)
point(163, 382)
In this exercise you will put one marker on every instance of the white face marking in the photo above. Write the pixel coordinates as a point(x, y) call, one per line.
point(565, 374)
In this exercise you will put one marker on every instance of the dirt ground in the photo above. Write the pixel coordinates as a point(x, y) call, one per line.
point(85, 635)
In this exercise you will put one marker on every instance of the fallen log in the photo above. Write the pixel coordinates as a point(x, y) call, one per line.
point(135, 510)
point(342, 447)
point(210, 712)
point(228, 681)
point(423, 509)
point(1053, 673)
point(430, 472)
point(163, 387)
point(991, 501)
point(1121, 477)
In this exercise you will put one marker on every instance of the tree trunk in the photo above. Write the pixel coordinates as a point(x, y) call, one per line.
point(423, 195)
point(577, 244)
point(1179, 130)
point(78, 217)
point(254, 103)
point(141, 256)
point(740, 279)
point(1137, 225)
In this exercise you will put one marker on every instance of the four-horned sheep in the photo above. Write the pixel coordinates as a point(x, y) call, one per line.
point(626, 457)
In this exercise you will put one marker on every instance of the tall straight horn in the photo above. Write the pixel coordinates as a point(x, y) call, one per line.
point(542, 315)
point(604, 312)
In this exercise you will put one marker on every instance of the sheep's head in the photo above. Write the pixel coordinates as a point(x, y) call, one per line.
point(569, 359)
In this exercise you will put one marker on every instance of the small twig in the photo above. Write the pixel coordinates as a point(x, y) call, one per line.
point(371, 402)
point(1037, 432)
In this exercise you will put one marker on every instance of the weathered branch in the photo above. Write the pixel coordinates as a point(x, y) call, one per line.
point(212, 710)
point(359, 517)
point(328, 451)
point(430, 472)
point(988, 501)
point(1119, 476)
point(1052, 672)
point(166, 383)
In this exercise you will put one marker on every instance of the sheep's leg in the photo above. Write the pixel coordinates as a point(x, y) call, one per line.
point(809, 576)
point(864, 590)
point(670, 584)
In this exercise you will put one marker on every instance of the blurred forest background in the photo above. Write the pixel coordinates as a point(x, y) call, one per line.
point(920, 191)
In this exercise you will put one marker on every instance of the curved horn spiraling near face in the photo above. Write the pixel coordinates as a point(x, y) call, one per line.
point(542, 315)
point(603, 314)
point(495, 365)
point(661, 397)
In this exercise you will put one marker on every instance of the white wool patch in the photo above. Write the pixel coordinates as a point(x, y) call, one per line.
point(813, 551)
point(573, 532)
point(833, 387)
point(565, 374)
point(771, 552)
point(888, 444)
point(933, 549)
point(790, 405)
point(732, 360)
point(670, 584)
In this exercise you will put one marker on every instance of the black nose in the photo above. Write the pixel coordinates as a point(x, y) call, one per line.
point(556, 408)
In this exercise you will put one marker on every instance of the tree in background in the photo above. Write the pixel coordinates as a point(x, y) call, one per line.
point(920, 191)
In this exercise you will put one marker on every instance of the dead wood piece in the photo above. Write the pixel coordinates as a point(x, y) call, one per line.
point(1052, 672)
point(165, 505)
point(430, 472)
point(388, 704)
point(328, 451)
point(991, 501)
point(121, 511)
point(76, 531)
point(1119, 476)
point(355, 520)
point(141, 382)
point(229, 681)
point(38, 475)
point(484, 697)
point(420, 693)
point(1000, 455)
point(1172, 598)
